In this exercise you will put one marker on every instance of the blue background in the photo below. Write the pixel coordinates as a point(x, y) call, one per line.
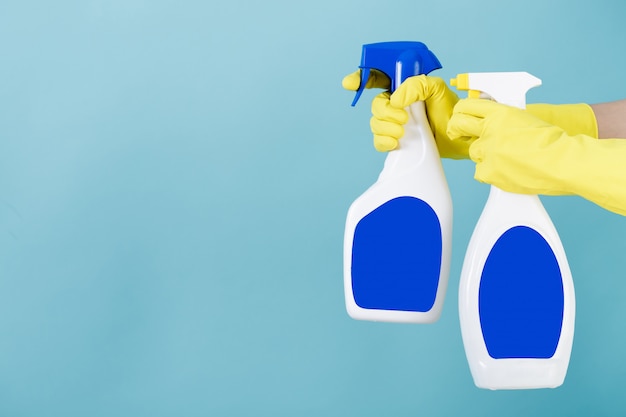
point(174, 179)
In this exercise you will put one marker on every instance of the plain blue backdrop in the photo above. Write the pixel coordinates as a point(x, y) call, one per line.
point(174, 179)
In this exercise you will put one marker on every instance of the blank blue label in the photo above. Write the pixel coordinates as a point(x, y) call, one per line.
point(396, 257)
point(521, 297)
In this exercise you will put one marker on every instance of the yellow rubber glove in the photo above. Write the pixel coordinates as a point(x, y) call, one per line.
point(573, 118)
point(389, 114)
point(376, 79)
point(518, 152)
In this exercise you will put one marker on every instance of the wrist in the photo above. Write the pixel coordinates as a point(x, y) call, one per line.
point(574, 119)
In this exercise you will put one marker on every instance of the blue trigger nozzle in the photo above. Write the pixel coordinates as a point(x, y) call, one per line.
point(397, 60)
point(365, 73)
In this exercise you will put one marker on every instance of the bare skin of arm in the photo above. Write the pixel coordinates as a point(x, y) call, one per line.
point(611, 118)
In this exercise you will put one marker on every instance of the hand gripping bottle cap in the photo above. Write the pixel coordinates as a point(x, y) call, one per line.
point(397, 60)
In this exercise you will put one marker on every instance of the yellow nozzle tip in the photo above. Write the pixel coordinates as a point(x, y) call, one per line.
point(461, 82)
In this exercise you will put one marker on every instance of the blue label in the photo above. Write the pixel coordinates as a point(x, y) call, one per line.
point(396, 257)
point(521, 297)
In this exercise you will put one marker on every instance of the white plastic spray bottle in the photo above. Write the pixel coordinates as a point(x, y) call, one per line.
point(516, 294)
point(398, 233)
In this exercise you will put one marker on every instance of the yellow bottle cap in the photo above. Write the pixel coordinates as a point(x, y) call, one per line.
point(461, 82)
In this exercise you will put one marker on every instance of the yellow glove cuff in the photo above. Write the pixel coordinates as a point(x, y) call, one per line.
point(575, 119)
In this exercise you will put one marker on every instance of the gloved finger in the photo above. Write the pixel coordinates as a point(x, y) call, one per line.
point(385, 143)
point(476, 154)
point(477, 107)
point(382, 109)
point(464, 126)
point(376, 79)
point(352, 81)
point(416, 88)
point(385, 128)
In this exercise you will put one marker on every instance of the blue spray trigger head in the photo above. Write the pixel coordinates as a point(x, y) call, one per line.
point(397, 60)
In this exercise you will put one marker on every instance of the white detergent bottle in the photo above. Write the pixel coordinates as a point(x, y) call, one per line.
point(398, 233)
point(516, 294)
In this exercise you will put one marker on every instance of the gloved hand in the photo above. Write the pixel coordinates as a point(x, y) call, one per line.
point(518, 152)
point(389, 114)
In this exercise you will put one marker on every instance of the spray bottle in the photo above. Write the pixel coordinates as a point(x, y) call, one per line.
point(398, 233)
point(516, 295)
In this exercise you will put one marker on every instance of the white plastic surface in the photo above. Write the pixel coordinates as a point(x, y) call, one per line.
point(413, 169)
point(503, 211)
point(504, 87)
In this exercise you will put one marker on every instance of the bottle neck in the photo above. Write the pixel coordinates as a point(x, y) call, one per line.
point(416, 146)
point(504, 204)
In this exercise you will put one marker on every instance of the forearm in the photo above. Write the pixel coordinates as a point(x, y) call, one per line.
point(595, 170)
point(611, 118)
